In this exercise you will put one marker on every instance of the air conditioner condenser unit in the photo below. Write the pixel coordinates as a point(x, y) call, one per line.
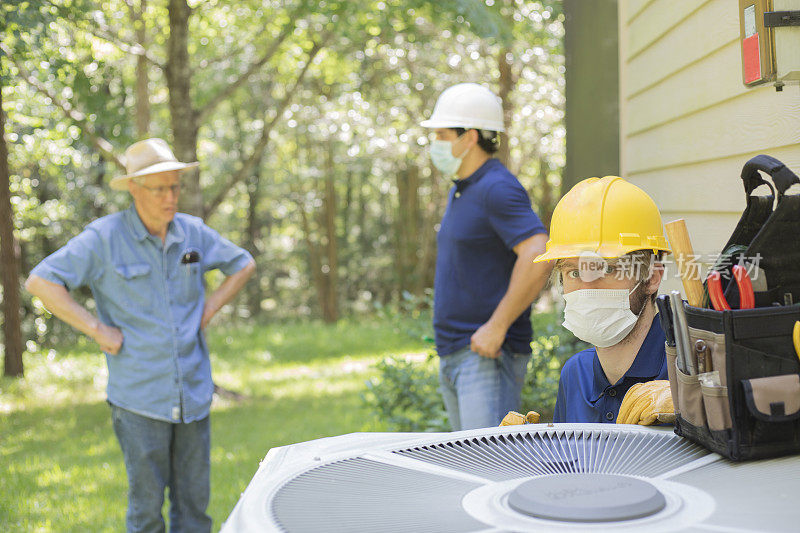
point(543, 477)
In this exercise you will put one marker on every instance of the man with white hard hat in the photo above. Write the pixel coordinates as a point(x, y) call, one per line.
point(486, 279)
point(145, 269)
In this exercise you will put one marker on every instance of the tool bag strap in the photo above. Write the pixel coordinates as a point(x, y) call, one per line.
point(781, 176)
point(756, 215)
point(776, 243)
point(759, 208)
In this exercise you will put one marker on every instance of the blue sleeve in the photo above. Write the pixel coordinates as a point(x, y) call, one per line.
point(76, 264)
point(219, 252)
point(510, 212)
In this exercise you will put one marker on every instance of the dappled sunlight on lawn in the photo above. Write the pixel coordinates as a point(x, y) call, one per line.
point(64, 468)
point(334, 375)
point(61, 460)
point(307, 342)
point(56, 378)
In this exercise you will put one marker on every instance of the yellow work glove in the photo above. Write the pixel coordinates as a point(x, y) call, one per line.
point(514, 418)
point(647, 403)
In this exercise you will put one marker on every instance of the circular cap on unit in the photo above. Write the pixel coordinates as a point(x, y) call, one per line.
point(586, 498)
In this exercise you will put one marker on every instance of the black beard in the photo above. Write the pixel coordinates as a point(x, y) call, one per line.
point(638, 300)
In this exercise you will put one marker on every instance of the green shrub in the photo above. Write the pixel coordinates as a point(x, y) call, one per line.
point(405, 394)
point(552, 345)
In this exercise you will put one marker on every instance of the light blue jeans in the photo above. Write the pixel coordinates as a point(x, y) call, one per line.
point(159, 455)
point(478, 391)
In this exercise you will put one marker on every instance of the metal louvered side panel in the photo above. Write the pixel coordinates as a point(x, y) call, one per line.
point(360, 495)
point(514, 455)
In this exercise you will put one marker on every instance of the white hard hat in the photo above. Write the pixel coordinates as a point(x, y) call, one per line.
point(467, 105)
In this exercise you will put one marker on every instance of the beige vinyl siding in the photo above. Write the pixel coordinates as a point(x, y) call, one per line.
point(687, 123)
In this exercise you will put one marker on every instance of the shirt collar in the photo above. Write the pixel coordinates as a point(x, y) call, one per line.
point(174, 231)
point(475, 176)
point(644, 366)
point(174, 234)
point(140, 233)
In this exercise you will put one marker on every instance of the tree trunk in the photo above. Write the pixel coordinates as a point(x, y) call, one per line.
point(507, 82)
point(412, 206)
point(349, 286)
point(304, 154)
point(142, 74)
point(430, 218)
point(314, 261)
point(183, 114)
point(361, 201)
point(546, 208)
point(9, 258)
point(348, 202)
point(330, 307)
point(401, 236)
point(254, 195)
point(98, 208)
point(408, 234)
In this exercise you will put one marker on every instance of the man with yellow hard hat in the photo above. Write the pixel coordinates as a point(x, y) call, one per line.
point(607, 241)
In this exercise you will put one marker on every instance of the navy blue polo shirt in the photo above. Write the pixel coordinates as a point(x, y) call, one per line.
point(488, 213)
point(584, 393)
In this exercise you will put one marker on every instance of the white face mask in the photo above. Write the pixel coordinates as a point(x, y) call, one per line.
point(442, 157)
point(601, 317)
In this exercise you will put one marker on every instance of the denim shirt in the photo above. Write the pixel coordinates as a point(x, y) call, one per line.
point(154, 293)
point(584, 393)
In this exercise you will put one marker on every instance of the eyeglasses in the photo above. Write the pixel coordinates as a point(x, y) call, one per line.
point(161, 192)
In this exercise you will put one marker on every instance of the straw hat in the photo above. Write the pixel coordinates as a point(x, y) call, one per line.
point(148, 157)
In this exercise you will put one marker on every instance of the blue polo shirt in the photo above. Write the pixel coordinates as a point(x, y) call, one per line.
point(154, 293)
point(584, 393)
point(488, 213)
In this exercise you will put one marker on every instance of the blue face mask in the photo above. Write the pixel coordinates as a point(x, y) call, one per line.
point(442, 157)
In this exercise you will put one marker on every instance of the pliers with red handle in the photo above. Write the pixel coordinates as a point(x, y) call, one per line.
point(747, 298)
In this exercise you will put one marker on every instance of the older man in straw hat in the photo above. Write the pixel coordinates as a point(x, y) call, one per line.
point(145, 268)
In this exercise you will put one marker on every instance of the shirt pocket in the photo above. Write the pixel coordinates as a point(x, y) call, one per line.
point(136, 286)
point(188, 282)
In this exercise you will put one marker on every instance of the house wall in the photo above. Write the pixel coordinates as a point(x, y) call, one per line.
point(592, 90)
point(687, 123)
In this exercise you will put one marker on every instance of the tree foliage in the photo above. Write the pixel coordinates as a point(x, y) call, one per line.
point(304, 116)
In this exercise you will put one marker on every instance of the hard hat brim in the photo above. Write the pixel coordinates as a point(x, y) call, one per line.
point(605, 251)
point(439, 123)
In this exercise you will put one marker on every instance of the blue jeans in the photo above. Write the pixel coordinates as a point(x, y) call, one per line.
point(159, 455)
point(478, 391)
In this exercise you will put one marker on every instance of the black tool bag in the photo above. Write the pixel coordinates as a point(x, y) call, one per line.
point(753, 410)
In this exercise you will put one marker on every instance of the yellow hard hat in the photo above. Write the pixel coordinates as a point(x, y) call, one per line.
point(607, 216)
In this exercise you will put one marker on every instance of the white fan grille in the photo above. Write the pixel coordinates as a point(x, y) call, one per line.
point(363, 495)
point(514, 455)
point(360, 494)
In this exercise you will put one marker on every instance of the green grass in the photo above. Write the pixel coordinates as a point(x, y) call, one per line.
point(60, 465)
